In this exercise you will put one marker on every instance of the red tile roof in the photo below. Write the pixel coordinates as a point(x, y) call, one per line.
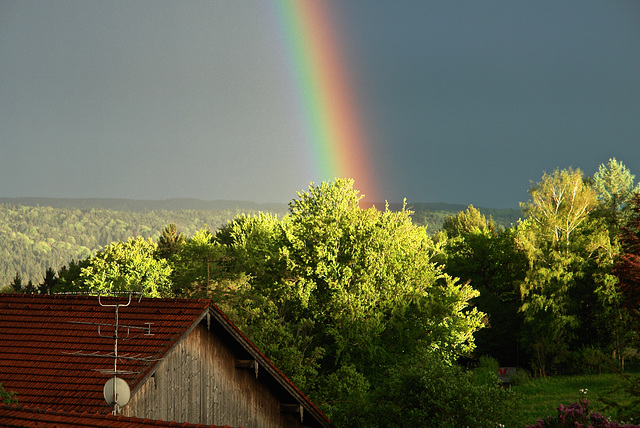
point(19, 416)
point(47, 343)
point(43, 352)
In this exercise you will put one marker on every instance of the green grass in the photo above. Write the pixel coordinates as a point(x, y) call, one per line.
point(541, 396)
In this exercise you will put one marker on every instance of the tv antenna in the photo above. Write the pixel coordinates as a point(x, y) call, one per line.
point(116, 390)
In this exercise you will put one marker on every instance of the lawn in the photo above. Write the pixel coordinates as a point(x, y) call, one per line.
point(541, 396)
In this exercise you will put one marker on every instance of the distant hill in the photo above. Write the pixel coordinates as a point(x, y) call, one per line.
point(38, 233)
point(136, 205)
point(41, 233)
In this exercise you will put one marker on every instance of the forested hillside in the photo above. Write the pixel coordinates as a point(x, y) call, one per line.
point(35, 238)
point(176, 204)
point(41, 233)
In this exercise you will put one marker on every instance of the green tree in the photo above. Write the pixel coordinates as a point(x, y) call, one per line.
point(69, 277)
point(49, 282)
point(565, 248)
point(466, 222)
point(345, 291)
point(492, 264)
point(193, 264)
point(422, 391)
point(128, 266)
point(170, 241)
point(559, 204)
point(33, 238)
point(614, 186)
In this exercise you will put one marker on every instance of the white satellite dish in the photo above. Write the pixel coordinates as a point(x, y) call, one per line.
point(116, 391)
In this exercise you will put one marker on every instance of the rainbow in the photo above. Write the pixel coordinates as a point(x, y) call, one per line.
point(325, 96)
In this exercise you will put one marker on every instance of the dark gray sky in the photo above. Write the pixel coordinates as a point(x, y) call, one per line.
point(462, 102)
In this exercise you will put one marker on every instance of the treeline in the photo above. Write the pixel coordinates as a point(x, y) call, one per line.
point(41, 233)
point(36, 238)
point(135, 205)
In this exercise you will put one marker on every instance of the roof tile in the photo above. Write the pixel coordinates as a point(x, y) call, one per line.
point(49, 418)
point(37, 359)
point(46, 342)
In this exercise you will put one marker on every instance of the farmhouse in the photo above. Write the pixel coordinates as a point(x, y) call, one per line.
point(182, 360)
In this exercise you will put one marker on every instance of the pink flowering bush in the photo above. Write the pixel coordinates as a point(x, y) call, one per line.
point(577, 415)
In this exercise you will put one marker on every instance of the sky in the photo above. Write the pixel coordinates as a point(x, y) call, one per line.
point(457, 102)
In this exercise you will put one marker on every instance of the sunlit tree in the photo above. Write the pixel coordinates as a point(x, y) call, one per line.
point(559, 204)
point(193, 264)
point(614, 186)
point(471, 220)
point(128, 266)
point(345, 291)
point(565, 249)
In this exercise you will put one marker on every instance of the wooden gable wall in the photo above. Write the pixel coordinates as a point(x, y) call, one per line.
point(202, 380)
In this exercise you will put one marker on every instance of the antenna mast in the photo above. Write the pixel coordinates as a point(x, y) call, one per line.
point(116, 390)
point(114, 397)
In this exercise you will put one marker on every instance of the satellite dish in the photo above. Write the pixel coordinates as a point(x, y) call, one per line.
point(121, 389)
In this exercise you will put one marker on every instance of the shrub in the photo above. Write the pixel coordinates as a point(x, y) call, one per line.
point(520, 377)
point(7, 397)
point(593, 359)
point(426, 392)
point(578, 415)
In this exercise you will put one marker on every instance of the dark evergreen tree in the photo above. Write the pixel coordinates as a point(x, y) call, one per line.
point(16, 285)
point(49, 282)
point(31, 288)
point(69, 279)
point(169, 242)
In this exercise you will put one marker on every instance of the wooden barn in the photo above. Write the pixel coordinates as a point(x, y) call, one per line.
point(182, 360)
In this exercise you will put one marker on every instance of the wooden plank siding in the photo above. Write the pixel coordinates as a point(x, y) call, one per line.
point(199, 382)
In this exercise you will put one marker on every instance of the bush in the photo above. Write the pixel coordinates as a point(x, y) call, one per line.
point(426, 392)
point(7, 397)
point(520, 377)
point(578, 415)
point(593, 359)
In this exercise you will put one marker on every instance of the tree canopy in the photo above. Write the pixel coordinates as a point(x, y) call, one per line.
point(347, 292)
point(366, 311)
point(127, 266)
point(614, 186)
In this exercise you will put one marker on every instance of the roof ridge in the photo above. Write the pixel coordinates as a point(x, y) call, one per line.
point(88, 295)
